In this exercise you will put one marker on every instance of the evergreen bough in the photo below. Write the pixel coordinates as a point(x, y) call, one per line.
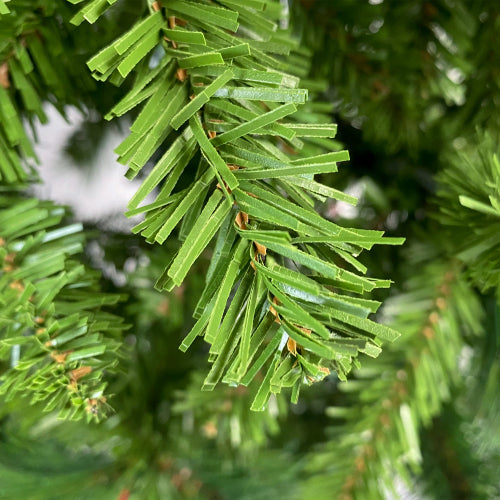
point(239, 165)
point(233, 143)
point(56, 340)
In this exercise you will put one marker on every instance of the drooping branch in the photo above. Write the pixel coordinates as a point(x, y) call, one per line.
point(219, 87)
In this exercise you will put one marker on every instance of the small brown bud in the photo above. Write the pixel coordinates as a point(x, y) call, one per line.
point(441, 303)
point(428, 332)
point(78, 373)
point(4, 76)
point(433, 318)
point(291, 346)
point(181, 74)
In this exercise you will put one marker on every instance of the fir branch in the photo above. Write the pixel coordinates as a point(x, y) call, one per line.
point(42, 468)
point(56, 339)
point(469, 205)
point(480, 104)
point(37, 68)
point(31, 73)
point(378, 442)
point(451, 460)
point(222, 416)
point(277, 293)
point(396, 67)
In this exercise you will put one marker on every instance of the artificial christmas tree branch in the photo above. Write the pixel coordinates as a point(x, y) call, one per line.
point(386, 73)
point(469, 205)
point(378, 438)
point(56, 340)
point(232, 148)
point(39, 50)
point(33, 39)
point(236, 166)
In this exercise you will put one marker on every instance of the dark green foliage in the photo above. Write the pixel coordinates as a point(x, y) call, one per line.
point(41, 469)
point(42, 61)
point(470, 206)
point(412, 65)
point(462, 447)
point(32, 41)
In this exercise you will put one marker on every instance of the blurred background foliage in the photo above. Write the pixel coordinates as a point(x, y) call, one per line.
point(415, 89)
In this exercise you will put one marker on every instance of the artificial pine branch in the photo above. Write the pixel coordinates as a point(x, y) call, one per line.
point(462, 446)
point(397, 67)
point(237, 166)
point(452, 462)
point(469, 205)
point(480, 103)
point(377, 440)
point(42, 61)
point(43, 468)
point(401, 66)
point(222, 416)
point(34, 69)
point(56, 338)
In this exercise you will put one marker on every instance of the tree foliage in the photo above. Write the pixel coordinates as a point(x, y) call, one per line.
point(56, 339)
point(247, 240)
point(237, 169)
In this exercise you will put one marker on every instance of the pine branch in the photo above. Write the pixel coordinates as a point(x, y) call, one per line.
point(469, 206)
point(56, 339)
point(218, 419)
point(455, 466)
point(41, 468)
point(32, 71)
point(462, 447)
point(378, 438)
point(277, 292)
point(396, 68)
point(39, 66)
point(480, 106)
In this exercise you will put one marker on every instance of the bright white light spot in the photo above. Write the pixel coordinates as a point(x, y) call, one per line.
point(465, 359)
point(392, 220)
point(273, 406)
point(234, 424)
point(343, 210)
point(130, 265)
point(15, 354)
point(285, 14)
point(375, 25)
point(444, 38)
point(455, 75)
